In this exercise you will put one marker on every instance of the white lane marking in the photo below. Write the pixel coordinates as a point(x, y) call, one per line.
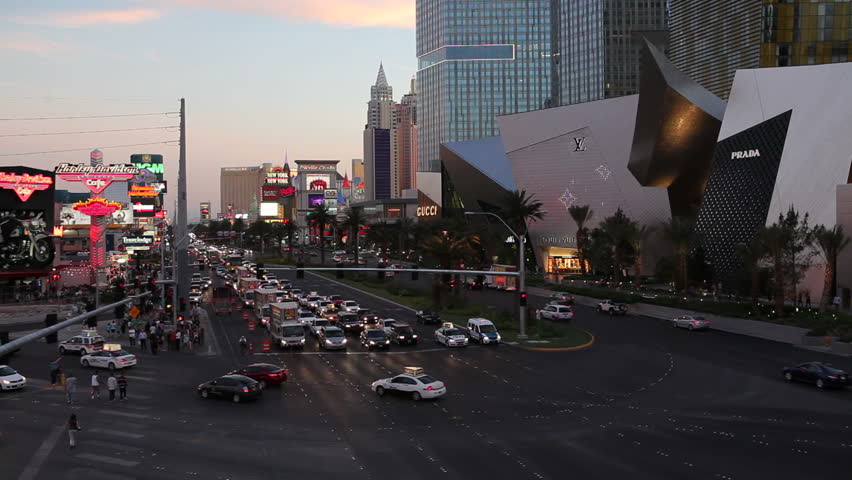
point(140, 378)
point(103, 459)
point(124, 414)
point(116, 433)
point(32, 469)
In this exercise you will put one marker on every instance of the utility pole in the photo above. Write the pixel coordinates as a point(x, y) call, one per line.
point(182, 271)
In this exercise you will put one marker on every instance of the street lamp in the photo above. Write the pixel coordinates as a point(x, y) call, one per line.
point(522, 282)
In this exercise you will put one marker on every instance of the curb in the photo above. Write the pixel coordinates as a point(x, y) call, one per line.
point(562, 349)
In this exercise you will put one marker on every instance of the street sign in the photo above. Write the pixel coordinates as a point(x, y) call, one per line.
point(134, 311)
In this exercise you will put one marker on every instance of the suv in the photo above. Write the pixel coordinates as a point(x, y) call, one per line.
point(402, 334)
point(368, 318)
point(87, 342)
point(349, 322)
point(612, 308)
point(427, 316)
point(374, 338)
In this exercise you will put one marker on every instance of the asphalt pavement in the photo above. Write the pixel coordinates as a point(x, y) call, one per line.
point(645, 402)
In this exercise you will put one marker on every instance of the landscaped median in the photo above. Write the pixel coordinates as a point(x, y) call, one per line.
point(541, 334)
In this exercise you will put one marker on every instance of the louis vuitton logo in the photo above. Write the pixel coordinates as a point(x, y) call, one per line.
point(579, 144)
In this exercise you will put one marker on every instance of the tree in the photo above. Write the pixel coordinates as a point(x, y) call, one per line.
point(449, 248)
point(636, 239)
point(519, 209)
point(238, 227)
point(382, 234)
point(774, 240)
point(581, 215)
point(290, 229)
point(752, 255)
point(355, 219)
point(618, 228)
point(799, 251)
point(320, 216)
point(830, 242)
point(261, 230)
point(680, 232)
point(404, 227)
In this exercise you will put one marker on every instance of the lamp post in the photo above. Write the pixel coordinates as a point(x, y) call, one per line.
point(522, 281)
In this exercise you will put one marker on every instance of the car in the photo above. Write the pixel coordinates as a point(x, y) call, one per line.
point(195, 287)
point(87, 342)
point(349, 322)
point(331, 337)
point(555, 312)
point(313, 302)
point(612, 308)
point(236, 388)
point(111, 357)
point(691, 323)
point(350, 306)
point(822, 375)
point(386, 324)
point(196, 277)
point(318, 324)
point(206, 282)
point(368, 318)
point(483, 331)
point(296, 292)
point(195, 297)
point(428, 316)
point(336, 299)
point(11, 379)
point(562, 297)
point(307, 318)
point(374, 338)
point(413, 383)
point(450, 336)
point(264, 373)
point(402, 334)
point(326, 308)
point(477, 283)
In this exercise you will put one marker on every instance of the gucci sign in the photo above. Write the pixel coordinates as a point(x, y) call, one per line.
point(427, 211)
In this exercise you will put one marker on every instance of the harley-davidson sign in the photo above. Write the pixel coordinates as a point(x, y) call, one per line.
point(97, 206)
point(96, 178)
point(24, 184)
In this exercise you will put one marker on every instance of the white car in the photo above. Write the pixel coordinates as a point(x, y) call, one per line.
point(111, 359)
point(555, 312)
point(691, 323)
point(386, 324)
point(195, 297)
point(413, 383)
point(306, 318)
point(350, 306)
point(10, 379)
point(318, 324)
point(450, 336)
point(313, 301)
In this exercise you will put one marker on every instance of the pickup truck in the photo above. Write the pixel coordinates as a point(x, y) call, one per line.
point(612, 308)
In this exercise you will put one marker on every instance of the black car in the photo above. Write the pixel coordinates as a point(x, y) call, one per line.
point(820, 374)
point(402, 334)
point(368, 318)
point(477, 283)
point(428, 316)
point(349, 322)
point(232, 387)
point(374, 338)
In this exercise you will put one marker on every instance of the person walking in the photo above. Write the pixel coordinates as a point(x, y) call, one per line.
point(73, 427)
point(122, 387)
point(71, 388)
point(187, 344)
point(96, 386)
point(54, 371)
point(112, 385)
point(143, 337)
point(178, 339)
point(131, 335)
point(243, 345)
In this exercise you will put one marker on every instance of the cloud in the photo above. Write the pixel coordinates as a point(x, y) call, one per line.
point(353, 13)
point(95, 17)
point(31, 44)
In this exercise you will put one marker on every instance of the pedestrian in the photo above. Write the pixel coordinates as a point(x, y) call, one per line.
point(131, 335)
point(70, 388)
point(73, 428)
point(54, 371)
point(186, 337)
point(177, 337)
point(96, 386)
point(122, 387)
point(143, 337)
point(112, 384)
point(808, 299)
point(243, 345)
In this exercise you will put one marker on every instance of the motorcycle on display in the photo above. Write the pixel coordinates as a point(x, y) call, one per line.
point(25, 242)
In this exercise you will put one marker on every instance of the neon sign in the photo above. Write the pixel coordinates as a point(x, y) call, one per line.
point(288, 191)
point(98, 177)
point(97, 206)
point(143, 191)
point(24, 185)
point(318, 185)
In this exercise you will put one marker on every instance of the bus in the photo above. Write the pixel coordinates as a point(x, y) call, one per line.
point(234, 260)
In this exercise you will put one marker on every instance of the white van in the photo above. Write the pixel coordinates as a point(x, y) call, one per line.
point(290, 334)
point(483, 331)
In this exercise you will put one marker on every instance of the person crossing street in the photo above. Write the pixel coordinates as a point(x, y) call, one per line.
point(112, 385)
point(122, 387)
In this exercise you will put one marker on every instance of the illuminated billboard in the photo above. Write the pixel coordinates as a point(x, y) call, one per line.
point(95, 177)
point(315, 199)
point(69, 217)
point(144, 207)
point(269, 209)
point(150, 162)
point(26, 219)
point(316, 181)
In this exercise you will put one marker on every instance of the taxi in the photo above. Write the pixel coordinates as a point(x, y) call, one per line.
point(413, 382)
point(89, 341)
point(111, 357)
point(451, 336)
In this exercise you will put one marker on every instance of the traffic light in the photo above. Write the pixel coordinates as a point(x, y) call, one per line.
point(261, 271)
point(523, 299)
point(180, 318)
point(182, 306)
point(415, 275)
point(300, 274)
point(152, 284)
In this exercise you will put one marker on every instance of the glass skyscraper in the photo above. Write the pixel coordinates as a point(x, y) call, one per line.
point(478, 59)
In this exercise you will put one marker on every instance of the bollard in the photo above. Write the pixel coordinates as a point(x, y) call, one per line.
point(251, 326)
point(251, 348)
point(827, 341)
point(266, 346)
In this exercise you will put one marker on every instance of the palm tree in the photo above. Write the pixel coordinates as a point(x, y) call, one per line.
point(618, 228)
point(320, 216)
point(519, 209)
point(383, 235)
point(261, 230)
point(290, 229)
point(679, 232)
point(774, 240)
point(636, 239)
point(355, 219)
point(581, 215)
point(830, 244)
point(404, 227)
point(752, 255)
point(239, 227)
point(449, 248)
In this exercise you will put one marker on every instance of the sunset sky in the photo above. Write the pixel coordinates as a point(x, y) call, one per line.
point(259, 77)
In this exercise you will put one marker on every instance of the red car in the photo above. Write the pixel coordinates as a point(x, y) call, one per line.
point(265, 373)
point(337, 299)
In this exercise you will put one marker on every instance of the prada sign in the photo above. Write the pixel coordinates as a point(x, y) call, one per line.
point(745, 154)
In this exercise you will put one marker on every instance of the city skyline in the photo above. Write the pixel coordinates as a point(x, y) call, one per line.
point(246, 104)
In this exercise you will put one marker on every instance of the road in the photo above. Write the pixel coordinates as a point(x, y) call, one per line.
point(645, 402)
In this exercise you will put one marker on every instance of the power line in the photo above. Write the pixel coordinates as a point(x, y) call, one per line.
point(167, 142)
point(90, 116)
point(88, 131)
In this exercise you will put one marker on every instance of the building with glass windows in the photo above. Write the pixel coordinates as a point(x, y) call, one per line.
point(477, 60)
point(710, 41)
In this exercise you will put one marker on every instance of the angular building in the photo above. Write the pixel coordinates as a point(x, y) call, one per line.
point(379, 144)
point(404, 167)
point(239, 189)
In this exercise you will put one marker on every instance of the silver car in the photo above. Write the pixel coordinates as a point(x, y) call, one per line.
point(691, 323)
point(331, 337)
